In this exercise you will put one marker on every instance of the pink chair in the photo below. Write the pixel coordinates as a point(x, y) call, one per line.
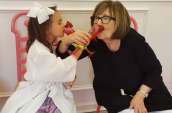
point(136, 28)
point(135, 23)
point(19, 39)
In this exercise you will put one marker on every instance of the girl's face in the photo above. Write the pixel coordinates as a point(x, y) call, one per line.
point(57, 27)
point(109, 28)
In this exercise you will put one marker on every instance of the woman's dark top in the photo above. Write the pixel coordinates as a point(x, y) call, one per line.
point(128, 68)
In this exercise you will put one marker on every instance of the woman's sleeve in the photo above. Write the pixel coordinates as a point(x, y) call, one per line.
point(72, 48)
point(148, 62)
point(50, 68)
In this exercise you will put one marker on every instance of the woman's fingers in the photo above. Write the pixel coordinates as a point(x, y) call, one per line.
point(131, 106)
point(140, 109)
point(144, 110)
point(138, 103)
point(136, 110)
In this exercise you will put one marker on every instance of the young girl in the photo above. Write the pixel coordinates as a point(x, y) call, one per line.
point(43, 92)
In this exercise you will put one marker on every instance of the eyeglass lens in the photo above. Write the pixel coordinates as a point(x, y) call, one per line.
point(104, 20)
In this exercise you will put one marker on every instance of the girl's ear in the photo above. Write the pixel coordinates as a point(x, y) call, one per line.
point(47, 29)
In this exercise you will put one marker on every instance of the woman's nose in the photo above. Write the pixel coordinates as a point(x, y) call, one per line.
point(99, 22)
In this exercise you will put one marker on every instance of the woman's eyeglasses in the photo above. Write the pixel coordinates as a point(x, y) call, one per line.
point(104, 19)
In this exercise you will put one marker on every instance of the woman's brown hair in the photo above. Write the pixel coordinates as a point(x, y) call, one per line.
point(118, 11)
point(38, 31)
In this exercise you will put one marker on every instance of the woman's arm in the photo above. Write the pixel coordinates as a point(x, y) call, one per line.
point(138, 100)
point(147, 61)
point(151, 67)
point(144, 88)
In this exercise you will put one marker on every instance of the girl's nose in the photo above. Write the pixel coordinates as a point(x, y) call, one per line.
point(63, 24)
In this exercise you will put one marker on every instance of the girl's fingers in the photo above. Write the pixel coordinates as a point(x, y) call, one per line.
point(89, 36)
point(78, 42)
point(81, 41)
point(86, 36)
point(86, 33)
point(79, 37)
point(82, 37)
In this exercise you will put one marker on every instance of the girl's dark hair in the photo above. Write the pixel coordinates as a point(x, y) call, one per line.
point(38, 31)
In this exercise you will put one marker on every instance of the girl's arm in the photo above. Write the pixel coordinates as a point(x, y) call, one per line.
point(78, 37)
point(92, 47)
point(50, 68)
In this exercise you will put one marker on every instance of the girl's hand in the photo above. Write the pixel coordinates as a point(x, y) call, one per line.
point(78, 37)
point(138, 103)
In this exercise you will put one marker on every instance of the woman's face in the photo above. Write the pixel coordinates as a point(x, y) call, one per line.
point(57, 27)
point(109, 28)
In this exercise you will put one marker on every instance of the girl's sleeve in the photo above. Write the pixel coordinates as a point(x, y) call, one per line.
point(148, 62)
point(50, 68)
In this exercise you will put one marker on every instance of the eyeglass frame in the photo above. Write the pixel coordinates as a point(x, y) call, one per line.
point(101, 19)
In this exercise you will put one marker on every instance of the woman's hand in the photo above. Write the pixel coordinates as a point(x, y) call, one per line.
point(78, 37)
point(138, 103)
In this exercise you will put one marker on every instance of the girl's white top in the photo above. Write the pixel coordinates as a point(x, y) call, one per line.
point(45, 74)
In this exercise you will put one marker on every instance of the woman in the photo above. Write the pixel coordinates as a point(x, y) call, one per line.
point(127, 72)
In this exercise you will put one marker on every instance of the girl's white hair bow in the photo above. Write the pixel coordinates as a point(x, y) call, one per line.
point(42, 13)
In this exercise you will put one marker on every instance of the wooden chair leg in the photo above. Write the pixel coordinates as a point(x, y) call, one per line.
point(98, 109)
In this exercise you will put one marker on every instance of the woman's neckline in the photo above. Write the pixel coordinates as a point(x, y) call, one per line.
point(113, 46)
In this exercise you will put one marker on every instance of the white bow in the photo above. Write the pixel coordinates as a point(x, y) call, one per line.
point(42, 13)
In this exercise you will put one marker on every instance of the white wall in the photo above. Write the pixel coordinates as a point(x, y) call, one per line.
point(154, 19)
